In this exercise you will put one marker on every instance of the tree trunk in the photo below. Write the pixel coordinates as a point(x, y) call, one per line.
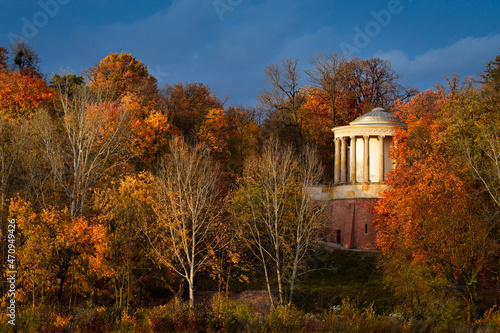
point(59, 286)
point(268, 284)
point(294, 274)
point(278, 265)
point(280, 283)
point(62, 274)
point(181, 292)
point(191, 293)
point(72, 205)
point(33, 295)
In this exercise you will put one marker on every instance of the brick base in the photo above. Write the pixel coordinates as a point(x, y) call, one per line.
point(350, 223)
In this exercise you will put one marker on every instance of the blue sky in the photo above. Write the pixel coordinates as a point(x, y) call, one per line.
point(227, 43)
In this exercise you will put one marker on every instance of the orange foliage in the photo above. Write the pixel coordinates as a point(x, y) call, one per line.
point(317, 126)
point(215, 133)
point(20, 95)
point(230, 135)
point(317, 121)
point(50, 240)
point(152, 137)
point(136, 91)
point(123, 73)
point(431, 220)
point(128, 80)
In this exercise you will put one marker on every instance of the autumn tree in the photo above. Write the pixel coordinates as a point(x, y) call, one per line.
point(373, 83)
point(327, 76)
point(231, 135)
point(33, 177)
point(328, 80)
point(24, 90)
point(187, 105)
point(15, 152)
point(21, 95)
point(151, 140)
point(490, 77)
point(454, 85)
point(123, 75)
point(432, 222)
point(86, 139)
point(25, 59)
point(67, 84)
point(276, 215)
point(352, 87)
point(187, 204)
point(476, 127)
point(4, 56)
point(45, 239)
point(317, 128)
point(124, 208)
point(483, 148)
point(15, 140)
point(284, 101)
point(129, 84)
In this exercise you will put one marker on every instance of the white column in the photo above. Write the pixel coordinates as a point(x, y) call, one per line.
point(353, 159)
point(366, 160)
point(343, 160)
point(336, 178)
point(381, 159)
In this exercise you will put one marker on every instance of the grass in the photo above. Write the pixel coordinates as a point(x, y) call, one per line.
point(342, 274)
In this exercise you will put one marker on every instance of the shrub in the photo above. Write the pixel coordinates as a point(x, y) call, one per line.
point(229, 316)
point(286, 318)
point(159, 319)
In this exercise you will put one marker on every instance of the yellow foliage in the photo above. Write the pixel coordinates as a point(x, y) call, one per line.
point(62, 321)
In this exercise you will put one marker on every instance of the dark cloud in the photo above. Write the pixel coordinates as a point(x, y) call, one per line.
point(194, 41)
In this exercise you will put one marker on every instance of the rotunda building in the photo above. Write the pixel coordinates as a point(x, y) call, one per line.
point(361, 165)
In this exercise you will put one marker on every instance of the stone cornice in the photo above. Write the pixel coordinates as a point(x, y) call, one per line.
point(375, 130)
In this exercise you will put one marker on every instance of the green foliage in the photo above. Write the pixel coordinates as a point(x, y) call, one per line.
point(228, 316)
point(447, 312)
point(342, 275)
point(286, 318)
point(66, 84)
point(491, 74)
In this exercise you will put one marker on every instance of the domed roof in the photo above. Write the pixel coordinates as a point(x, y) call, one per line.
point(375, 116)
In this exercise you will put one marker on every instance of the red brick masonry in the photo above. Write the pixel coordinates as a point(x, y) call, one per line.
point(352, 221)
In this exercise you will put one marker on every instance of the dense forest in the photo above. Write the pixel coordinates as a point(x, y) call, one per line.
point(121, 201)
